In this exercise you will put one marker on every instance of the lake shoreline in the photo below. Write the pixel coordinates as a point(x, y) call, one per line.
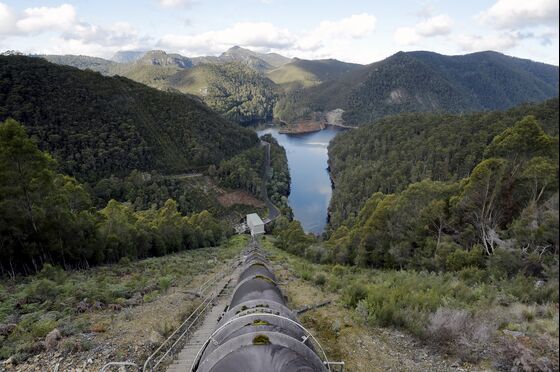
point(311, 184)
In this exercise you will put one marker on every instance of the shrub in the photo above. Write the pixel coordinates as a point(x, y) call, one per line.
point(473, 275)
point(320, 279)
point(41, 328)
point(504, 263)
point(165, 282)
point(41, 290)
point(459, 330)
point(54, 273)
point(149, 297)
point(353, 294)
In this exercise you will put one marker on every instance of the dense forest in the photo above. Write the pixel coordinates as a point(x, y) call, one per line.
point(399, 150)
point(99, 126)
point(428, 82)
point(500, 221)
point(233, 89)
point(244, 171)
point(504, 215)
point(48, 217)
point(278, 185)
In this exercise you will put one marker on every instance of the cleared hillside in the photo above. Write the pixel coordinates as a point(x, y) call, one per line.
point(310, 72)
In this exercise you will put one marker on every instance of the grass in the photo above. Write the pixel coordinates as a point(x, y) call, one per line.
point(290, 73)
point(464, 314)
point(74, 301)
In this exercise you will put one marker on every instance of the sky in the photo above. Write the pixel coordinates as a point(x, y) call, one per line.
point(361, 31)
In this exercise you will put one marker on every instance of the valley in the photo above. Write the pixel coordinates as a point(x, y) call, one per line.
point(241, 200)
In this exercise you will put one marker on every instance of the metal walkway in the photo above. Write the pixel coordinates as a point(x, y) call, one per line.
point(186, 356)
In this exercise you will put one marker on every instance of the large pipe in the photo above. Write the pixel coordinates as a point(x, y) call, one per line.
point(258, 332)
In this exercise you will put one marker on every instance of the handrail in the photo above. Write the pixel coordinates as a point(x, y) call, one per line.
point(182, 334)
point(197, 313)
point(204, 302)
point(121, 364)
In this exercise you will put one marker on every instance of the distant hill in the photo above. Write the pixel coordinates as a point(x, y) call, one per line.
point(429, 82)
point(82, 62)
point(233, 84)
point(127, 56)
point(161, 58)
point(259, 61)
point(100, 126)
point(310, 72)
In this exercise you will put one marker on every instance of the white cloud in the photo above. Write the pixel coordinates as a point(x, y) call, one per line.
point(433, 26)
point(174, 3)
point(120, 33)
point(329, 32)
point(7, 20)
point(247, 34)
point(501, 42)
point(356, 26)
point(406, 36)
point(321, 42)
point(46, 19)
point(520, 13)
point(67, 34)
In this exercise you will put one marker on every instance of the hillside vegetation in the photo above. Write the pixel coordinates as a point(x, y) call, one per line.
point(429, 82)
point(399, 150)
point(310, 72)
point(420, 320)
point(48, 217)
point(234, 90)
point(233, 84)
point(70, 318)
point(99, 126)
point(467, 263)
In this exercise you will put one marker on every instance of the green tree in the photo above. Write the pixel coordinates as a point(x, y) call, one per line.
point(481, 200)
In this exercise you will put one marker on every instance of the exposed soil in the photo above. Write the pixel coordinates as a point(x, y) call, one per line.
point(304, 126)
point(239, 197)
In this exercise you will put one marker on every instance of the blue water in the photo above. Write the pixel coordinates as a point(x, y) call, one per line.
point(311, 187)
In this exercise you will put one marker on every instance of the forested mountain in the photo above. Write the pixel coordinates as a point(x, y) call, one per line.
point(430, 82)
point(161, 58)
point(231, 84)
point(404, 82)
point(234, 90)
point(82, 62)
point(99, 126)
point(310, 72)
point(399, 150)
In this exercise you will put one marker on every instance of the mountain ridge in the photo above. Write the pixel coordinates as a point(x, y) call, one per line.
point(429, 82)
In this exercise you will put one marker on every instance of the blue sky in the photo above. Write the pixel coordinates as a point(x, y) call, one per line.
point(351, 30)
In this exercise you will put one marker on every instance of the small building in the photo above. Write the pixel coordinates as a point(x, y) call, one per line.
point(255, 224)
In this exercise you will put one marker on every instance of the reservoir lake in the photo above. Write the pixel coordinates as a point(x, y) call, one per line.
point(311, 186)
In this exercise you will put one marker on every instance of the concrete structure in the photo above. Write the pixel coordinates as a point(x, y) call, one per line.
point(256, 225)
